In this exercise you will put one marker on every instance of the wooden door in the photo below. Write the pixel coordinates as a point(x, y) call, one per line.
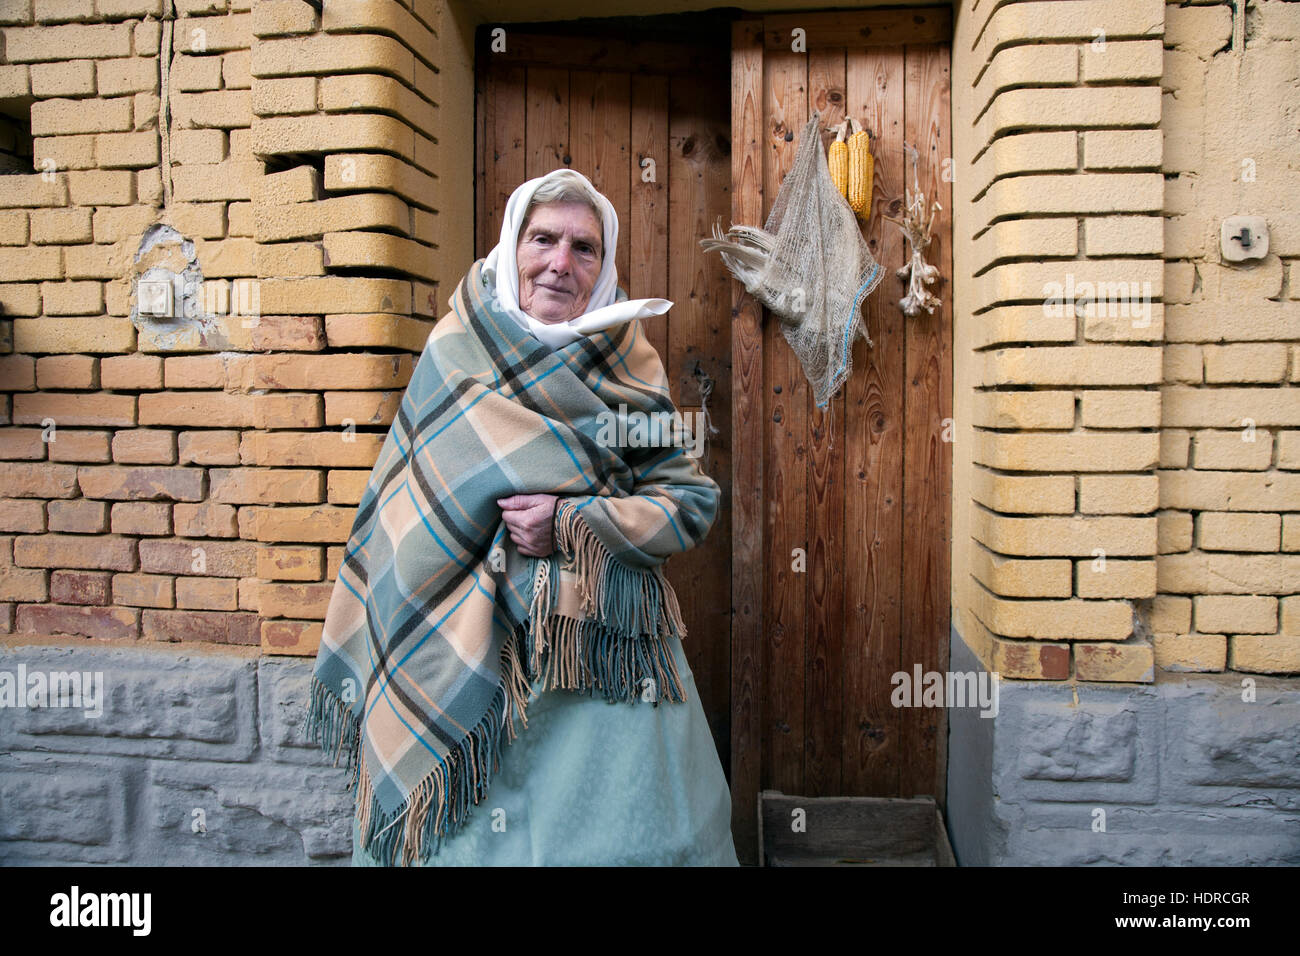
point(862, 488)
point(642, 111)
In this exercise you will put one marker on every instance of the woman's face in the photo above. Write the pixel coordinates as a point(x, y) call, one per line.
point(559, 256)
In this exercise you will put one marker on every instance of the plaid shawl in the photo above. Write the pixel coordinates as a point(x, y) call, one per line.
point(437, 625)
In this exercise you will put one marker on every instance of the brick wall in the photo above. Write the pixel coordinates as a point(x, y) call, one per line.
point(1058, 189)
point(1230, 450)
point(193, 479)
point(1113, 510)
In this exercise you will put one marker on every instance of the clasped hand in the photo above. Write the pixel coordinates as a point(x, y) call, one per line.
point(529, 520)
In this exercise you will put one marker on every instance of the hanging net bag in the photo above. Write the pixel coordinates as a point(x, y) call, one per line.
point(809, 265)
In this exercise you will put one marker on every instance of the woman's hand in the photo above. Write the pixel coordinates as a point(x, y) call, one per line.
point(529, 519)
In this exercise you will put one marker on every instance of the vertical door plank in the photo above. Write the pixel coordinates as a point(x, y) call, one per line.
point(826, 638)
point(699, 340)
point(548, 121)
point(504, 129)
point(748, 726)
point(927, 457)
point(786, 469)
point(648, 220)
point(599, 124)
point(874, 451)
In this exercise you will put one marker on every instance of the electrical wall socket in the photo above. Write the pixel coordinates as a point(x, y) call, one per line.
point(1244, 237)
point(155, 297)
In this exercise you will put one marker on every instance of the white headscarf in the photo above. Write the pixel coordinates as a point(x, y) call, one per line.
point(501, 270)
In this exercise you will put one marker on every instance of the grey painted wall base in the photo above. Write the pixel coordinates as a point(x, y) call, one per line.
point(1184, 771)
point(198, 758)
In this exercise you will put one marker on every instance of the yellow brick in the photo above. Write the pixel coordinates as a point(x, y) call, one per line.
point(131, 372)
point(212, 594)
point(1229, 407)
point(1174, 448)
point(17, 299)
point(1236, 614)
point(1010, 577)
point(30, 264)
point(1080, 193)
point(376, 250)
point(1290, 615)
point(1054, 620)
point(1130, 663)
point(1202, 573)
point(370, 172)
point(106, 334)
point(199, 220)
point(1183, 363)
point(1202, 31)
point(1077, 451)
point(69, 78)
point(1070, 107)
point(235, 73)
point(1115, 579)
point(192, 147)
point(1173, 532)
point(333, 294)
point(13, 228)
point(323, 55)
point(1169, 614)
point(15, 80)
point(321, 523)
point(1229, 491)
point(289, 259)
point(1055, 536)
point(275, 18)
point(72, 298)
point(1047, 65)
point(298, 185)
point(1073, 365)
point(196, 73)
point(1288, 450)
point(1191, 652)
point(1122, 149)
point(1117, 289)
point(226, 258)
point(230, 180)
point(1123, 60)
point(380, 94)
point(216, 109)
point(1221, 531)
point(1121, 409)
point(19, 191)
point(381, 16)
point(63, 116)
point(47, 43)
point(346, 487)
point(1123, 235)
point(299, 220)
point(370, 408)
point(1245, 363)
point(377, 330)
point(215, 34)
point(94, 187)
point(1269, 654)
point(1118, 494)
point(127, 76)
point(60, 226)
point(298, 134)
point(286, 96)
point(126, 150)
point(331, 371)
point(1240, 450)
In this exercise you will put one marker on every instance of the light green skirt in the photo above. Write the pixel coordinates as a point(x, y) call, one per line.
point(594, 783)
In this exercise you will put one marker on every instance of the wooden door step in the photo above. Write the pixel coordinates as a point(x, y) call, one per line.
point(851, 831)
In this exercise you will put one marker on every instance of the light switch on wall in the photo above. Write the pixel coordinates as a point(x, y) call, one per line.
point(1244, 237)
point(154, 297)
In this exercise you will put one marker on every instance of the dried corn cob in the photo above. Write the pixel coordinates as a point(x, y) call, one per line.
point(838, 159)
point(861, 171)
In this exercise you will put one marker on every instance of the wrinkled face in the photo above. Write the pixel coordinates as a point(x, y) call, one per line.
point(559, 256)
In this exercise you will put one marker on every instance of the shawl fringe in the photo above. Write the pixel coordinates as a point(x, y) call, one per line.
point(620, 648)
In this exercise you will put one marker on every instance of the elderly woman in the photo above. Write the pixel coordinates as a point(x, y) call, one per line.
point(507, 562)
